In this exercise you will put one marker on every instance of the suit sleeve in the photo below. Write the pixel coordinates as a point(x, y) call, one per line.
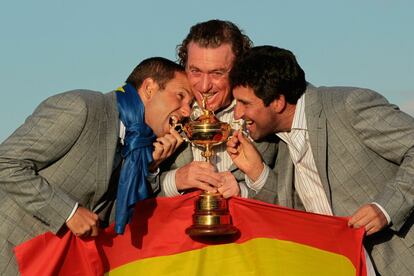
point(388, 132)
point(268, 150)
point(166, 180)
point(45, 137)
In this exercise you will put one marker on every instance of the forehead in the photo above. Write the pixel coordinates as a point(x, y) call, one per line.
point(203, 58)
point(179, 81)
point(180, 78)
point(245, 93)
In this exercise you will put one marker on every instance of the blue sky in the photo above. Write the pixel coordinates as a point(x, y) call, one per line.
point(47, 47)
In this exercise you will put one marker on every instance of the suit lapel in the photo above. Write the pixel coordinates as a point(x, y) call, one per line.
point(316, 123)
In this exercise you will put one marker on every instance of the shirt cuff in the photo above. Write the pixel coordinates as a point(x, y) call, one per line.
point(73, 211)
point(168, 184)
point(244, 192)
point(261, 180)
point(384, 212)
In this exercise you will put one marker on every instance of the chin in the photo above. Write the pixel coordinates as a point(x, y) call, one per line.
point(255, 135)
point(158, 132)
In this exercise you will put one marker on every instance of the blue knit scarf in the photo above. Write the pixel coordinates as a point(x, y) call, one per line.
point(137, 155)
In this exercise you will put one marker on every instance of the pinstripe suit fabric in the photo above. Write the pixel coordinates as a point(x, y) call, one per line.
point(62, 154)
point(364, 152)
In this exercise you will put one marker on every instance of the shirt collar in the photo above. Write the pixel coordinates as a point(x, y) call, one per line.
point(299, 119)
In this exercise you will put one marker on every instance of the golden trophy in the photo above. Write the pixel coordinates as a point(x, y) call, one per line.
point(211, 215)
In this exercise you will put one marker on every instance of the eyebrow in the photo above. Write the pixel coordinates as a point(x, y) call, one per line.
point(243, 101)
point(209, 71)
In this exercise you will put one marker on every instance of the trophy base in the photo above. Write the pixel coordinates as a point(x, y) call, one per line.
point(211, 230)
point(211, 217)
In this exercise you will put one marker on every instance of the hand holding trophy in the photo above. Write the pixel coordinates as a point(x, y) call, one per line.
point(211, 216)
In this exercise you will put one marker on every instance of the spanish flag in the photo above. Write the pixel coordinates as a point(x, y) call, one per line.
point(273, 241)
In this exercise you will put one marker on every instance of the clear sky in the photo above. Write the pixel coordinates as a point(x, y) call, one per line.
point(51, 46)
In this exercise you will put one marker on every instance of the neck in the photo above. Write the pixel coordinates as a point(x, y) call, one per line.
point(286, 118)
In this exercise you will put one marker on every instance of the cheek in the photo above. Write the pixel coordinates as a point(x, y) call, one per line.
point(251, 114)
point(193, 81)
point(257, 115)
point(223, 85)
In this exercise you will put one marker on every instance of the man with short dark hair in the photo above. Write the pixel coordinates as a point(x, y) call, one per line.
point(60, 169)
point(208, 54)
point(343, 151)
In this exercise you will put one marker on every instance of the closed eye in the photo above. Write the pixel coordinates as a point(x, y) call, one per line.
point(180, 95)
point(195, 72)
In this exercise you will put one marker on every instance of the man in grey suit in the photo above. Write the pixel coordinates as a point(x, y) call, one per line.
point(59, 170)
point(342, 151)
point(208, 53)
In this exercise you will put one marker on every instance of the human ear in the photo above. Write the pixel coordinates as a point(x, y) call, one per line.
point(148, 88)
point(279, 104)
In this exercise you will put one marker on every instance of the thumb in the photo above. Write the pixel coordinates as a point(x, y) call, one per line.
point(242, 139)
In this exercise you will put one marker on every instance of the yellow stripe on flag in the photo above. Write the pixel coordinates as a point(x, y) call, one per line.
point(260, 256)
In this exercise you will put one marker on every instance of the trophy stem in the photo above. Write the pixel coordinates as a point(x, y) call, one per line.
point(207, 153)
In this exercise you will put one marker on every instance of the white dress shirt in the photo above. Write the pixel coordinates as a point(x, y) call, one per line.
point(307, 181)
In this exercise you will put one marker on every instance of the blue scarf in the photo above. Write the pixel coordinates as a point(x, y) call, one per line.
point(137, 155)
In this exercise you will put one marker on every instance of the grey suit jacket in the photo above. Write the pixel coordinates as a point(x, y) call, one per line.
point(61, 155)
point(364, 152)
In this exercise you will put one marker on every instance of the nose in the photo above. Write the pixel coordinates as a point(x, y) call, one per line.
point(205, 83)
point(238, 111)
point(185, 110)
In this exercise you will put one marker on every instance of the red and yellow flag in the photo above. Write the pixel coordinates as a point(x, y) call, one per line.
point(273, 241)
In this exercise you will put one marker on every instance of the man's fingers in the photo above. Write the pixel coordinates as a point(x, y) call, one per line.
point(370, 217)
point(355, 217)
point(206, 187)
point(168, 142)
point(94, 231)
point(177, 136)
point(211, 179)
point(243, 139)
point(83, 222)
point(233, 141)
point(158, 151)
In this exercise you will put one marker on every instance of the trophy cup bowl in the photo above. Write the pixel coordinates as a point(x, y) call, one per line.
point(211, 215)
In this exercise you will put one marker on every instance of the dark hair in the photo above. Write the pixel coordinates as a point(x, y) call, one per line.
point(212, 34)
point(160, 69)
point(270, 71)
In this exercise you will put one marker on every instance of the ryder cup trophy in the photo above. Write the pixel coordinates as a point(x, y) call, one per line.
point(211, 215)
